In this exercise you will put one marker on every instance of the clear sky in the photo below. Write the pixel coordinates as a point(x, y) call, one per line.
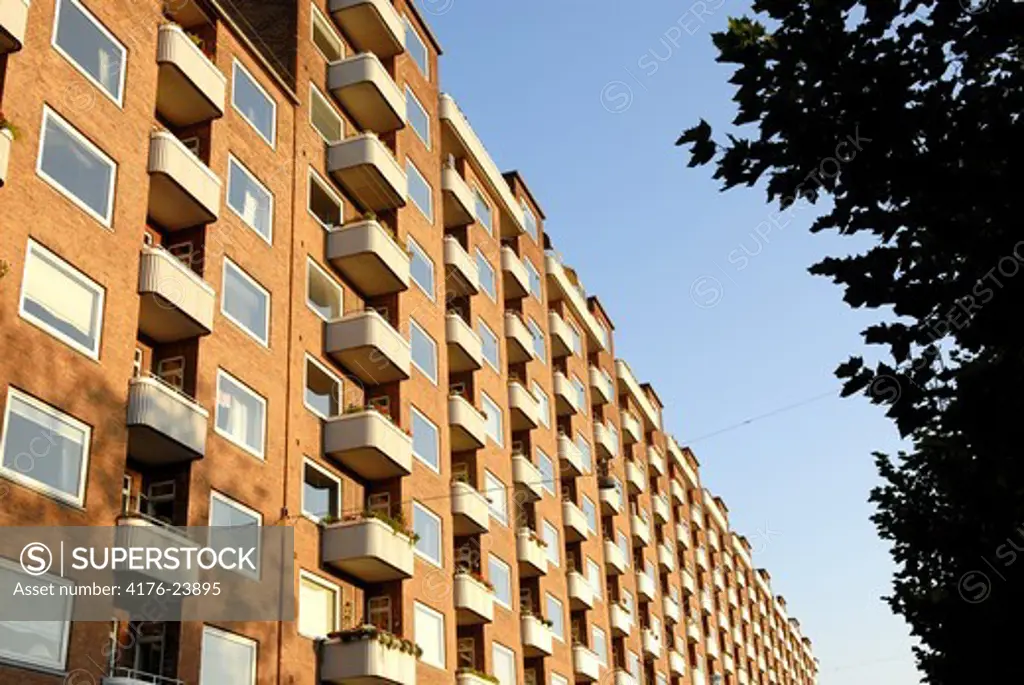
point(586, 99)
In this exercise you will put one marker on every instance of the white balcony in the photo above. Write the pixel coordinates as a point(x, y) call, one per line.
point(585, 664)
point(651, 643)
point(574, 522)
point(662, 510)
point(459, 203)
point(474, 601)
point(369, 258)
point(737, 635)
point(632, 433)
point(366, 661)
point(562, 286)
point(689, 583)
point(697, 516)
point(369, 550)
point(570, 458)
point(723, 621)
point(615, 561)
point(666, 558)
point(611, 501)
point(537, 637)
point(641, 531)
point(702, 558)
point(462, 277)
point(742, 677)
point(693, 632)
point(175, 302)
point(190, 88)
point(518, 339)
point(468, 426)
point(371, 25)
point(635, 478)
point(711, 647)
point(602, 390)
point(363, 86)
point(566, 400)
point(697, 677)
point(581, 593)
point(367, 170)
point(629, 385)
point(13, 20)
point(523, 407)
point(528, 479)
point(515, 277)
point(734, 600)
point(470, 510)
point(369, 348)
point(165, 426)
point(561, 336)
point(465, 349)
point(533, 560)
point(6, 139)
point(712, 536)
point(145, 533)
point(606, 442)
point(705, 603)
point(677, 491)
point(369, 444)
point(676, 663)
point(623, 677)
point(620, 620)
point(670, 609)
point(656, 460)
point(468, 678)
point(646, 587)
point(183, 192)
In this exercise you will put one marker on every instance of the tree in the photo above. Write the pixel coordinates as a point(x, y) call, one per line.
point(902, 120)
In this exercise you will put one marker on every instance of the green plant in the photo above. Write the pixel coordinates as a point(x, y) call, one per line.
point(328, 520)
point(8, 125)
point(5, 268)
point(196, 40)
point(383, 638)
point(465, 670)
point(396, 522)
point(475, 575)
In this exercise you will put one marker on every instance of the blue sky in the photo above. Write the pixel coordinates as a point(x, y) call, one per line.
point(586, 99)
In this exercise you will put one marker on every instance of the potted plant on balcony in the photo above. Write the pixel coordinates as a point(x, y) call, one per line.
point(475, 575)
point(382, 637)
point(465, 670)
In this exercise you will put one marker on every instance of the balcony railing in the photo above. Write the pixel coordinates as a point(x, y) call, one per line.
point(670, 609)
point(468, 426)
point(470, 510)
point(641, 531)
point(561, 336)
point(369, 444)
point(363, 86)
point(632, 433)
point(666, 558)
point(606, 441)
point(533, 560)
point(165, 426)
point(519, 340)
point(662, 510)
point(676, 663)
point(602, 390)
point(651, 643)
point(13, 20)
point(570, 457)
point(175, 302)
point(646, 587)
point(655, 460)
point(528, 479)
point(465, 349)
point(365, 661)
point(459, 204)
point(515, 277)
point(585, 664)
point(183, 192)
point(537, 637)
point(367, 549)
point(369, 347)
point(368, 171)
point(462, 277)
point(611, 501)
point(574, 522)
point(474, 601)
point(615, 560)
point(566, 401)
point(635, 478)
point(581, 593)
point(677, 491)
point(190, 88)
point(372, 25)
point(523, 406)
point(620, 620)
point(144, 532)
point(369, 258)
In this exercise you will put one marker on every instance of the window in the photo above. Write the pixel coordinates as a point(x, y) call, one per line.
point(421, 268)
point(595, 577)
point(324, 118)
point(627, 601)
point(530, 220)
point(379, 610)
point(554, 548)
point(253, 103)
point(547, 471)
point(581, 393)
point(539, 345)
point(323, 295)
point(536, 289)
point(61, 300)
point(250, 200)
point(633, 661)
point(420, 191)
point(428, 632)
point(245, 303)
point(491, 350)
point(500, 576)
point(584, 448)
point(545, 405)
point(661, 679)
point(590, 511)
point(496, 494)
point(90, 48)
point(243, 522)
point(227, 658)
point(424, 440)
point(558, 680)
point(623, 546)
point(424, 351)
point(427, 526)
point(318, 606)
point(323, 390)
point(416, 48)
point(325, 38)
point(487, 282)
point(503, 660)
point(577, 341)
point(44, 448)
point(321, 492)
point(492, 414)
point(614, 433)
point(323, 203)
point(556, 615)
point(76, 168)
point(417, 116)
point(35, 643)
point(483, 211)
point(599, 642)
point(241, 414)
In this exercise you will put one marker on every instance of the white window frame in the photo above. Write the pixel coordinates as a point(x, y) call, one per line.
point(410, 170)
point(268, 239)
point(422, 509)
point(531, 269)
point(416, 250)
point(483, 327)
point(548, 599)
point(252, 281)
point(553, 546)
point(597, 517)
point(311, 264)
point(235, 504)
point(325, 585)
point(498, 647)
point(432, 377)
point(261, 454)
point(479, 197)
point(545, 401)
point(434, 614)
point(426, 115)
point(437, 442)
point(305, 385)
point(90, 284)
point(602, 656)
point(499, 439)
point(237, 66)
point(498, 561)
point(73, 132)
point(528, 214)
point(314, 93)
point(7, 656)
point(494, 277)
point(535, 332)
point(78, 499)
point(231, 637)
point(324, 185)
point(496, 491)
point(422, 68)
point(328, 28)
point(92, 19)
point(550, 487)
point(326, 474)
point(596, 575)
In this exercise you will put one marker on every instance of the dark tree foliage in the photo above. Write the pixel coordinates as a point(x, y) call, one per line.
point(928, 98)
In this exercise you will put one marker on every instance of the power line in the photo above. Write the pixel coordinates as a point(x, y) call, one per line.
point(752, 419)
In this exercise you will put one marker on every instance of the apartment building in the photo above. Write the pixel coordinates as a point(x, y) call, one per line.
point(261, 271)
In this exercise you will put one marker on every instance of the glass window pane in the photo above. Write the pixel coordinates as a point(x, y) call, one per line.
point(417, 49)
point(321, 493)
point(245, 303)
point(530, 220)
point(495, 427)
point(535, 283)
point(590, 511)
point(323, 391)
point(504, 664)
point(317, 607)
point(324, 118)
point(554, 548)
point(90, 47)
point(487, 282)
point(556, 616)
point(429, 635)
point(539, 344)
point(420, 192)
point(324, 37)
point(428, 527)
point(545, 407)
point(250, 199)
point(241, 414)
point(323, 295)
point(500, 576)
point(424, 351)
point(547, 471)
point(34, 643)
point(483, 211)
point(497, 496)
point(421, 268)
point(417, 116)
point(227, 658)
point(600, 645)
point(76, 167)
point(491, 350)
point(253, 103)
point(424, 440)
point(324, 204)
